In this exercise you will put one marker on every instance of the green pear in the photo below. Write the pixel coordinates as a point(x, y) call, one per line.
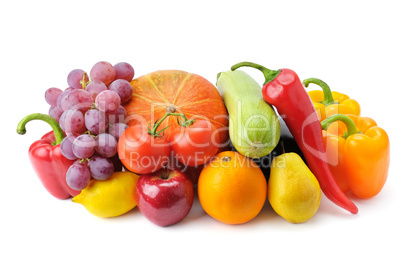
point(293, 191)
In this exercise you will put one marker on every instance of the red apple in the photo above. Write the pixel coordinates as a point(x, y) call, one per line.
point(164, 197)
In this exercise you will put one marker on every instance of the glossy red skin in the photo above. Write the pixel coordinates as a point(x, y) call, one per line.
point(164, 201)
point(293, 103)
point(51, 166)
point(194, 145)
point(140, 152)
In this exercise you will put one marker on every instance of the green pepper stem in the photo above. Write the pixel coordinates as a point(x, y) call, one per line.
point(268, 74)
point(154, 130)
point(328, 99)
point(351, 126)
point(58, 132)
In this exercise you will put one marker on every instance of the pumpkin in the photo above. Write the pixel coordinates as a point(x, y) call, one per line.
point(176, 91)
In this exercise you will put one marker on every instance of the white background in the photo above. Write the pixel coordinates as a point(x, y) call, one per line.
point(355, 46)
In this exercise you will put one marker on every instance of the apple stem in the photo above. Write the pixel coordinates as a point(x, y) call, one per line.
point(165, 174)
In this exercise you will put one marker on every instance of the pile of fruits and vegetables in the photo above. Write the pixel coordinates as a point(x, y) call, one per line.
point(120, 142)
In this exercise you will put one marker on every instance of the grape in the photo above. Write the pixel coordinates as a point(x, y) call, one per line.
point(117, 130)
point(62, 120)
point(78, 176)
point(95, 87)
point(80, 99)
point(100, 168)
point(64, 102)
point(73, 121)
point(51, 95)
point(107, 101)
point(84, 146)
point(124, 71)
point(123, 89)
point(96, 121)
point(55, 112)
point(118, 116)
point(66, 147)
point(106, 145)
point(74, 78)
point(63, 95)
point(103, 71)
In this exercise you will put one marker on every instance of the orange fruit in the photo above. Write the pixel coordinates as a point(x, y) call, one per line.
point(232, 188)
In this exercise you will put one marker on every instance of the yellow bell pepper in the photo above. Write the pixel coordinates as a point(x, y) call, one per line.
point(328, 103)
point(358, 152)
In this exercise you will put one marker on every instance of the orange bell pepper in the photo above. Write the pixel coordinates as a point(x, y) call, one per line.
point(358, 152)
point(327, 103)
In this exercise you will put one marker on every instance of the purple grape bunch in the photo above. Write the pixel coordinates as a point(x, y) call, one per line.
point(91, 114)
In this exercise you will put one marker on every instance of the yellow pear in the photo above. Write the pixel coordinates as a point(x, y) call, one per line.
point(109, 198)
point(293, 191)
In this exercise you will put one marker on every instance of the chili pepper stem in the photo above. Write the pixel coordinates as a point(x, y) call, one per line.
point(351, 127)
point(268, 74)
point(58, 132)
point(328, 99)
point(153, 131)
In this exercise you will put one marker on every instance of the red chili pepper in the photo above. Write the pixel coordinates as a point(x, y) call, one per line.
point(46, 158)
point(283, 89)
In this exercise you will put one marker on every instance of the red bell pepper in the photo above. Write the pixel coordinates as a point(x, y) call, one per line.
point(46, 158)
point(283, 89)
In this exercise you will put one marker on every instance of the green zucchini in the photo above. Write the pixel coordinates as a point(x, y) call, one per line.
point(254, 128)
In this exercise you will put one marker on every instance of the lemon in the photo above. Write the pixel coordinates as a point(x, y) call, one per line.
point(109, 198)
point(293, 191)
